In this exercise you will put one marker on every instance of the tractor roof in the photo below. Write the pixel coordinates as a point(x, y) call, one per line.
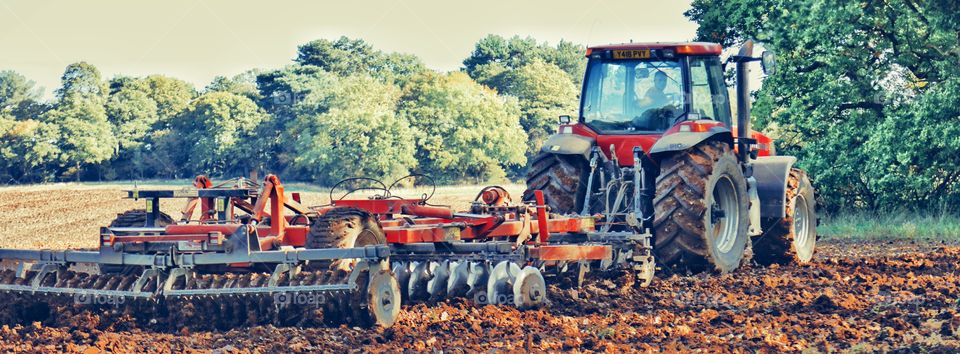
point(686, 48)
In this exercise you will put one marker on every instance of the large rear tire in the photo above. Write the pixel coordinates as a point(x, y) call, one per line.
point(794, 237)
point(562, 178)
point(132, 218)
point(343, 227)
point(701, 209)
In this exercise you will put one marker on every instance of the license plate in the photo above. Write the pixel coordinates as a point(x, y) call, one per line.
point(631, 54)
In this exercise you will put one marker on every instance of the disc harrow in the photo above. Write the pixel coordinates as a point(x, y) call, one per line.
point(252, 256)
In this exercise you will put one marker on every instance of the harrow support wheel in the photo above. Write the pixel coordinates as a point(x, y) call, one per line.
point(793, 238)
point(701, 216)
point(529, 289)
point(380, 305)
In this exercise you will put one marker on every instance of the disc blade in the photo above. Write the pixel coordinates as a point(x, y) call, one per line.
point(457, 283)
point(437, 285)
point(477, 278)
point(402, 271)
point(417, 289)
point(500, 284)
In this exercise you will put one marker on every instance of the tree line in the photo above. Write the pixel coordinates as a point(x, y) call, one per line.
point(341, 109)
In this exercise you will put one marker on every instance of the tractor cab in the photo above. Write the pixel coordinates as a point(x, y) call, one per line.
point(646, 88)
point(635, 94)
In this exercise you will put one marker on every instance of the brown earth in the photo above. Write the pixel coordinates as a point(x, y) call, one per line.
point(879, 296)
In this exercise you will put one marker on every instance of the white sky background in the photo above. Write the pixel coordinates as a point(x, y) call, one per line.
point(197, 40)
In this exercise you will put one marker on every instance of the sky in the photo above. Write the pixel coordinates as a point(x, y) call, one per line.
point(198, 40)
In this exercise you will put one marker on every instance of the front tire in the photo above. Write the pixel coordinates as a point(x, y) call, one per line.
point(701, 209)
point(562, 178)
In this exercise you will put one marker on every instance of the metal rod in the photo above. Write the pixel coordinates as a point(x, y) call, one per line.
point(587, 195)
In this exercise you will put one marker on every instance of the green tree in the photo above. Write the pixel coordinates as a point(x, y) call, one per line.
point(545, 92)
point(351, 129)
point(283, 93)
point(465, 132)
point(860, 86)
point(133, 115)
point(18, 96)
point(28, 150)
point(494, 54)
point(86, 137)
point(215, 135)
point(347, 56)
point(171, 95)
point(244, 84)
point(81, 81)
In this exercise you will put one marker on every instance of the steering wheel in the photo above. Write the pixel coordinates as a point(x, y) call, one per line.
point(655, 118)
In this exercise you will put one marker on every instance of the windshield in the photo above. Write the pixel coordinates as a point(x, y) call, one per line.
point(633, 95)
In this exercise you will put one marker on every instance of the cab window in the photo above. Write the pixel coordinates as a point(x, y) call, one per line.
point(710, 98)
point(632, 95)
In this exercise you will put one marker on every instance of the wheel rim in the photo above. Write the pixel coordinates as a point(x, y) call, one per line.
point(724, 215)
point(801, 217)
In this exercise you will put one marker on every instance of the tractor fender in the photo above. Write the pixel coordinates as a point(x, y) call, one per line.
point(679, 141)
point(569, 144)
point(771, 173)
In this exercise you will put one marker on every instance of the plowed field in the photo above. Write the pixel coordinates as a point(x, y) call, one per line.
point(856, 296)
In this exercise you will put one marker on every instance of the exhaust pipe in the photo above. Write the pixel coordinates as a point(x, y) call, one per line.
point(744, 57)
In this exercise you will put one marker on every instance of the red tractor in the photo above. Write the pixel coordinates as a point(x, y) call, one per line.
point(655, 147)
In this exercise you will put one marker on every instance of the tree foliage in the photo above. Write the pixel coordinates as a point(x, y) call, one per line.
point(85, 135)
point(463, 129)
point(351, 129)
point(544, 92)
point(28, 150)
point(18, 96)
point(219, 130)
point(495, 54)
point(347, 56)
point(865, 95)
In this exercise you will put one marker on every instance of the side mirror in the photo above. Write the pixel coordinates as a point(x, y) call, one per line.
point(564, 119)
point(768, 61)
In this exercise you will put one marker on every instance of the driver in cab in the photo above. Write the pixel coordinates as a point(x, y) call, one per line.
point(655, 97)
point(654, 106)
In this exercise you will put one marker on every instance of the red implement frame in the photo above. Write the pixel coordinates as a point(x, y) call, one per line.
point(402, 220)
